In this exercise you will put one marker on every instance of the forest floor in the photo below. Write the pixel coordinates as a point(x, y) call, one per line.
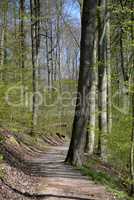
point(39, 172)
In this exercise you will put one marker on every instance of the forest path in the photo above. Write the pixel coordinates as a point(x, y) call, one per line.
point(62, 181)
point(41, 174)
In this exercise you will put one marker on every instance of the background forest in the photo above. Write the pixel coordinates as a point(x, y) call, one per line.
point(40, 52)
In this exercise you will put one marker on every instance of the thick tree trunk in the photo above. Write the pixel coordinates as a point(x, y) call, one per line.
point(132, 138)
point(76, 150)
point(132, 152)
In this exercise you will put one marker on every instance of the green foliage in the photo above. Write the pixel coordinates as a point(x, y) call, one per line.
point(119, 141)
point(111, 182)
point(55, 110)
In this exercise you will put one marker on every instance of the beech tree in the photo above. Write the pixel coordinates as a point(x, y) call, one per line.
point(78, 140)
point(132, 103)
point(35, 41)
point(22, 34)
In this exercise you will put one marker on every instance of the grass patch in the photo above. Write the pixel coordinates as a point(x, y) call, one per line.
point(112, 182)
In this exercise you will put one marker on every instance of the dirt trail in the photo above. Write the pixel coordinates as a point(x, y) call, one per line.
point(53, 179)
point(62, 180)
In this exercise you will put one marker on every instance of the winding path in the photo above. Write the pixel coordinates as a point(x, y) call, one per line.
point(62, 181)
point(53, 179)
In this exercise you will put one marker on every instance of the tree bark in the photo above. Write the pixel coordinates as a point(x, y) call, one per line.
point(22, 42)
point(47, 57)
point(92, 109)
point(76, 150)
point(22, 34)
point(35, 40)
point(3, 38)
point(2, 46)
point(59, 13)
point(123, 74)
point(102, 82)
point(132, 133)
point(90, 141)
point(108, 63)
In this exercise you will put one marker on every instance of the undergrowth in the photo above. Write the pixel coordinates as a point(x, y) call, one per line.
point(112, 182)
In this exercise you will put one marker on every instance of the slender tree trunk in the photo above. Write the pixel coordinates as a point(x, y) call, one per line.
point(47, 58)
point(2, 47)
point(3, 38)
point(90, 141)
point(49, 46)
point(102, 82)
point(35, 40)
point(22, 42)
point(56, 56)
point(55, 65)
point(92, 109)
point(68, 64)
point(132, 134)
point(108, 63)
point(76, 64)
point(34, 115)
point(15, 37)
point(59, 13)
point(123, 74)
point(73, 69)
point(51, 52)
point(22, 34)
point(76, 150)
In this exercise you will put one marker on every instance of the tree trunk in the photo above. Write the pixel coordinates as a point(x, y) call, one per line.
point(22, 42)
point(51, 52)
point(35, 40)
point(132, 135)
point(3, 35)
point(22, 35)
point(76, 150)
point(2, 47)
point(47, 58)
point(123, 75)
point(108, 63)
point(102, 82)
point(92, 104)
point(59, 13)
point(90, 141)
